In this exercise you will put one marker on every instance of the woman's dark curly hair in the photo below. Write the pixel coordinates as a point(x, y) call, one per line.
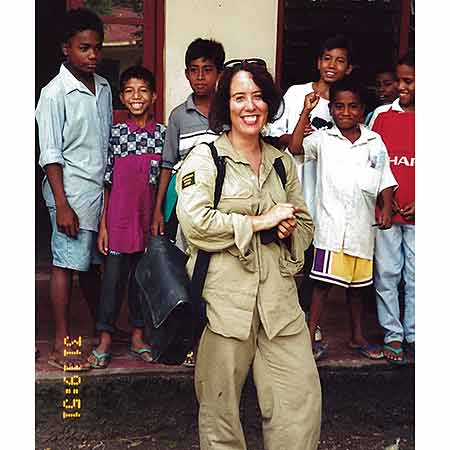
point(219, 114)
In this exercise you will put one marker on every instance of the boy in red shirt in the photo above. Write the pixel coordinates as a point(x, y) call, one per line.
point(395, 248)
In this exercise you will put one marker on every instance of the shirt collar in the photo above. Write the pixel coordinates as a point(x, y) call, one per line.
point(71, 83)
point(190, 102)
point(150, 126)
point(396, 106)
point(225, 148)
point(366, 134)
point(190, 105)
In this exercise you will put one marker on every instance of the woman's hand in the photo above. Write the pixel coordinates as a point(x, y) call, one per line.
point(278, 213)
point(102, 240)
point(286, 227)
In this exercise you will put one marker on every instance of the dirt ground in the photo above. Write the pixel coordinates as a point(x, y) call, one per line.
point(362, 410)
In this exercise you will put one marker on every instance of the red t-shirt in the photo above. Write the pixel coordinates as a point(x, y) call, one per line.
point(397, 130)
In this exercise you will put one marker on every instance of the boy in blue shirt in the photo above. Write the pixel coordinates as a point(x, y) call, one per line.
point(74, 115)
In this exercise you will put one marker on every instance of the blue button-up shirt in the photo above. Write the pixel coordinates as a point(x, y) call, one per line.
point(74, 127)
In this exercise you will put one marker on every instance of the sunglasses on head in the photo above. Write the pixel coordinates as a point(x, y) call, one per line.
point(242, 62)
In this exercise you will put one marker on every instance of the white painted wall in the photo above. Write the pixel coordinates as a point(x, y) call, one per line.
point(246, 28)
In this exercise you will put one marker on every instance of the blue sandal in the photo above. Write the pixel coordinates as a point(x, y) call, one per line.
point(99, 360)
point(370, 351)
point(144, 354)
point(398, 352)
point(319, 350)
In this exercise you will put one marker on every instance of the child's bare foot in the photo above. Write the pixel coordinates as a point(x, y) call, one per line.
point(139, 348)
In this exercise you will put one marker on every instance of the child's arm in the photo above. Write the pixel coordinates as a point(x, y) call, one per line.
point(170, 156)
point(296, 140)
point(158, 216)
point(385, 219)
point(102, 238)
point(66, 218)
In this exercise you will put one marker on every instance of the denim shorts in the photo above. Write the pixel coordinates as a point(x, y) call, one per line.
point(73, 253)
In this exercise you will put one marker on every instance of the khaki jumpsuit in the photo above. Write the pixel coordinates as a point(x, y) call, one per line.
point(254, 317)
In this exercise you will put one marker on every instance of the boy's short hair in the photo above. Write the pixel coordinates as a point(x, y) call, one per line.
point(385, 68)
point(338, 41)
point(140, 73)
point(207, 49)
point(349, 83)
point(408, 59)
point(80, 19)
point(219, 114)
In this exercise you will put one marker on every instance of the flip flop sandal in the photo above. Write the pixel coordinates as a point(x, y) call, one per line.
point(396, 351)
point(102, 360)
point(370, 351)
point(144, 354)
point(70, 365)
point(319, 350)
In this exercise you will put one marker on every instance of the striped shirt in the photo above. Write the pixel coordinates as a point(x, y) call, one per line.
point(187, 128)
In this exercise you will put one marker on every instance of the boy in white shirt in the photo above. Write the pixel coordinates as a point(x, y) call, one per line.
point(352, 171)
point(333, 63)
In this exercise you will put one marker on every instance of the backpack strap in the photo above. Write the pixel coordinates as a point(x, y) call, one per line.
point(268, 236)
point(203, 257)
point(281, 171)
point(219, 161)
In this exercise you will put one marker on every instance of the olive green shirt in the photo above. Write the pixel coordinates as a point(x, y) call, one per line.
point(243, 273)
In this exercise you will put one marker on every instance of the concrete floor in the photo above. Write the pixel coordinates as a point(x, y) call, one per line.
point(335, 327)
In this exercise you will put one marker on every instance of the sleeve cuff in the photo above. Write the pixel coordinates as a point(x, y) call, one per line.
point(292, 260)
point(51, 156)
point(243, 234)
point(167, 165)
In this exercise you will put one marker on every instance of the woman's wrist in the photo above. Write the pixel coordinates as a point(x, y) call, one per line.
point(256, 223)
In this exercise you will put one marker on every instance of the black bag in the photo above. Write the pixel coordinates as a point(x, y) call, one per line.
point(173, 317)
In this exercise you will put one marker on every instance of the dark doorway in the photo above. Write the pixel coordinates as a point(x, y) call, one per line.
point(372, 25)
point(48, 13)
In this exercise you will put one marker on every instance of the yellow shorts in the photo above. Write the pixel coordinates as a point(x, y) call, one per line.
point(341, 269)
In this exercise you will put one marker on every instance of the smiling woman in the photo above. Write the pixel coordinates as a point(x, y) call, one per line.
point(254, 318)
